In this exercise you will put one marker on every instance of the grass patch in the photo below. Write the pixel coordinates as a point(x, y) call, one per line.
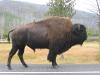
point(88, 53)
point(98, 58)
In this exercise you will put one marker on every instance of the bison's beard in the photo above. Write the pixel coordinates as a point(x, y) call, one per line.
point(69, 41)
point(63, 44)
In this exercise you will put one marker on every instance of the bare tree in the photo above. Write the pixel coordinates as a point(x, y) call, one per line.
point(98, 9)
point(98, 14)
point(95, 4)
point(98, 6)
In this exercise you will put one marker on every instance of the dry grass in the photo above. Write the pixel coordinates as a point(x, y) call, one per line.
point(88, 53)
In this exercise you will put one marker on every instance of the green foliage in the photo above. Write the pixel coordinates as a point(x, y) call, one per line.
point(99, 27)
point(8, 19)
point(91, 32)
point(5, 35)
point(98, 58)
point(61, 8)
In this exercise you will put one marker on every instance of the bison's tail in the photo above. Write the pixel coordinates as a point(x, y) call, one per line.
point(9, 34)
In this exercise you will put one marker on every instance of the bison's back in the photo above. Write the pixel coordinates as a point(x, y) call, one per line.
point(35, 36)
point(43, 33)
point(57, 23)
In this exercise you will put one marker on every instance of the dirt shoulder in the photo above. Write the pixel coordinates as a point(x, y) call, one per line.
point(89, 53)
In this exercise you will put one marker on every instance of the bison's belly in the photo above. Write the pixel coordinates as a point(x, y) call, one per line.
point(38, 38)
point(38, 43)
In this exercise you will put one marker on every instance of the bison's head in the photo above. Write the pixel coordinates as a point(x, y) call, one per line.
point(80, 34)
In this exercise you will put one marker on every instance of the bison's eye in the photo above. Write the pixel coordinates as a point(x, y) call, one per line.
point(81, 30)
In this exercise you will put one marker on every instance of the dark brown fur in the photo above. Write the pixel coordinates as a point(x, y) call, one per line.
point(54, 33)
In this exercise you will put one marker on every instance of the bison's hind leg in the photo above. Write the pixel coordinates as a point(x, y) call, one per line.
point(20, 54)
point(11, 54)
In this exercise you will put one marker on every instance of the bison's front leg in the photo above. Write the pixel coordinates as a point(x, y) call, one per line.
point(52, 58)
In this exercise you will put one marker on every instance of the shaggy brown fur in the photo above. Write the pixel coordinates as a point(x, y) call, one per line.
point(54, 33)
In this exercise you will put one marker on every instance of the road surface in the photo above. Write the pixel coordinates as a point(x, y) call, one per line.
point(41, 69)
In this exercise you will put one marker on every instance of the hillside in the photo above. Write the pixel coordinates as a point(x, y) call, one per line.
point(29, 12)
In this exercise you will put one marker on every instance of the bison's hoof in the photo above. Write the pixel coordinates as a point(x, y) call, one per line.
point(55, 66)
point(9, 67)
point(25, 66)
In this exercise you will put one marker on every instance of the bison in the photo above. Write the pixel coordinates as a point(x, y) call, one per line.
point(55, 33)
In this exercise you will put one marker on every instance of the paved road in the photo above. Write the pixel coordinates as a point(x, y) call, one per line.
point(66, 69)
